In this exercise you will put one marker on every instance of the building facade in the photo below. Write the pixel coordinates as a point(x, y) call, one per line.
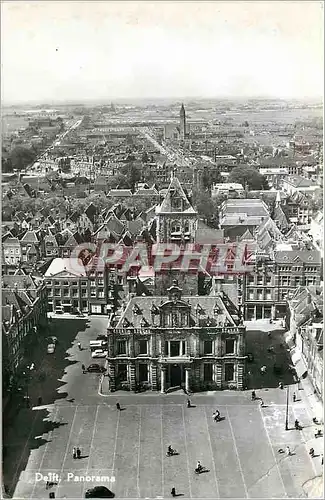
point(177, 341)
point(177, 338)
point(74, 289)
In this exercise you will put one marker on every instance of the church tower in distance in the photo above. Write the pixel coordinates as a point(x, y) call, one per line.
point(182, 126)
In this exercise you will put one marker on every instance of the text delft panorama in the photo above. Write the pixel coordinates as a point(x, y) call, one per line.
point(225, 258)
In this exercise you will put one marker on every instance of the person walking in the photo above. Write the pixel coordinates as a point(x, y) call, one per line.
point(280, 385)
point(78, 452)
point(253, 395)
point(79, 346)
point(288, 451)
point(322, 462)
point(118, 406)
point(188, 403)
point(262, 403)
point(294, 397)
point(83, 368)
point(74, 452)
point(312, 452)
point(173, 492)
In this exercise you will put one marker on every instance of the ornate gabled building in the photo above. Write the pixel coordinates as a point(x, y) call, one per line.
point(163, 342)
point(177, 338)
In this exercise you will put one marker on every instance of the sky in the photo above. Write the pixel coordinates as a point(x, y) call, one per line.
point(75, 51)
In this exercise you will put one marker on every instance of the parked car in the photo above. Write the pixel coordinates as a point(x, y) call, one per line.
point(95, 368)
point(99, 353)
point(97, 344)
point(50, 348)
point(99, 492)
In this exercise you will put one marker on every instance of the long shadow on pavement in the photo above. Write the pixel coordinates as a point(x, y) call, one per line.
point(24, 427)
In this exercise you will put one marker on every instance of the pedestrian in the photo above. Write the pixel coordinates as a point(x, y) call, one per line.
point(39, 401)
point(288, 451)
point(188, 403)
point(269, 335)
point(322, 460)
point(253, 395)
point(297, 425)
point(262, 403)
point(294, 398)
point(280, 385)
point(47, 485)
point(78, 452)
point(79, 346)
point(312, 452)
point(173, 492)
point(74, 452)
point(118, 406)
point(83, 368)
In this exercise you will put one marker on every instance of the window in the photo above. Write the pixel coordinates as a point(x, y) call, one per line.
point(268, 279)
point(100, 274)
point(101, 294)
point(284, 281)
point(75, 292)
point(92, 283)
point(84, 283)
point(259, 294)
point(66, 293)
point(122, 373)
point(121, 347)
point(251, 295)
point(268, 294)
point(100, 282)
point(174, 348)
point(83, 293)
point(229, 372)
point(207, 372)
point(93, 292)
point(230, 346)
point(208, 347)
point(65, 283)
point(57, 292)
point(260, 280)
point(143, 347)
point(143, 372)
point(251, 279)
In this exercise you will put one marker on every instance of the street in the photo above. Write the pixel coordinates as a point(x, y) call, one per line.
point(128, 447)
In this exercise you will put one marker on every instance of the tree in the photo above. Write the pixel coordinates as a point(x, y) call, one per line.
point(249, 177)
point(210, 176)
point(21, 157)
point(205, 207)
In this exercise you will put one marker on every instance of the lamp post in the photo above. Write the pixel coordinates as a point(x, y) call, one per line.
point(287, 410)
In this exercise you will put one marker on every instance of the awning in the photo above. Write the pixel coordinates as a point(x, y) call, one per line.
point(301, 369)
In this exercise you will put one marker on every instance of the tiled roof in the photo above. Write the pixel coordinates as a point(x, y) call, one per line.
point(290, 256)
point(299, 181)
point(30, 237)
point(71, 266)
point(202, 310)
point(175, 190)
point(120, 193)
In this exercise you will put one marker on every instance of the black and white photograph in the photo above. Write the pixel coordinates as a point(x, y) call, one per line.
point(162, 249)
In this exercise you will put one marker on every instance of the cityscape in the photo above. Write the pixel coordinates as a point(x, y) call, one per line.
point(162, 257)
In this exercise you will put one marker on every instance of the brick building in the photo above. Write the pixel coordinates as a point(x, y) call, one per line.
point(71, 288)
